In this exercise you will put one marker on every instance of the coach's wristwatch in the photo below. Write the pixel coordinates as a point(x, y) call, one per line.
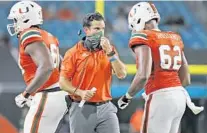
point(111, 53)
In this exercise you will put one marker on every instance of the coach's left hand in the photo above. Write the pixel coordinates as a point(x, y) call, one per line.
point(105, 44)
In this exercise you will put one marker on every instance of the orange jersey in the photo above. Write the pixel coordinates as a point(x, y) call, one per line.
point(166, 48)
point(27, 65)
point(87, 70)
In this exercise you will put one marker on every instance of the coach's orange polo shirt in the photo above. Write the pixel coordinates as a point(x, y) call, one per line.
point(88, 69)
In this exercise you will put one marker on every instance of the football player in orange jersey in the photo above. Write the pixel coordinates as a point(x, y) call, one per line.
point(39, 63)
point(162, 66)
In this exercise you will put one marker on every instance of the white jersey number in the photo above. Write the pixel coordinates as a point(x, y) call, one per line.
point(170, 57)
point(55, 55)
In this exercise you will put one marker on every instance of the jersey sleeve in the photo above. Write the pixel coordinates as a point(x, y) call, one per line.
point(68, 65)
point(138, 38)
point(29, 37)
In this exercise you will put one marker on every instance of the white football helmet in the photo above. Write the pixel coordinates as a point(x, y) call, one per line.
point(24, 14)
point(141, 13)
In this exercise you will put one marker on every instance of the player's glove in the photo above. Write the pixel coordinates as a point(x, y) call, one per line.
point(21, 100)
point(124, 101)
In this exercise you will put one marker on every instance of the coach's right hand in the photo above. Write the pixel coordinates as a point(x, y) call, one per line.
point(87, 94)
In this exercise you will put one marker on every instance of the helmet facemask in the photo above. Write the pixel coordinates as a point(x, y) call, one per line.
point(13, 29)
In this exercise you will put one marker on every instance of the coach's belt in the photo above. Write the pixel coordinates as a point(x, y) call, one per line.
point(51, 90)
point(93, 103)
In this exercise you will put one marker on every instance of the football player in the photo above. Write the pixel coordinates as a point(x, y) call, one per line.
point(162, 71)
point(39, 63)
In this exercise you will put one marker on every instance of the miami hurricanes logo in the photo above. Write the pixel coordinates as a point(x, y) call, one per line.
point(24, 10)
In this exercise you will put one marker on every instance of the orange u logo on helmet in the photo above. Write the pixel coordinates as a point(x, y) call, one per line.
point(23, 11)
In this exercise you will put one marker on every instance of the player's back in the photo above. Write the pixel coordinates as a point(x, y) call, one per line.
point(28, 66)
point(166, 48)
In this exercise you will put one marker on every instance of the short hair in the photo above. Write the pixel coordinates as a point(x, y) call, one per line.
point(91, 17)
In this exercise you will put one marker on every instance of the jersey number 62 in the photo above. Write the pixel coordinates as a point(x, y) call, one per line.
point(170, 58)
